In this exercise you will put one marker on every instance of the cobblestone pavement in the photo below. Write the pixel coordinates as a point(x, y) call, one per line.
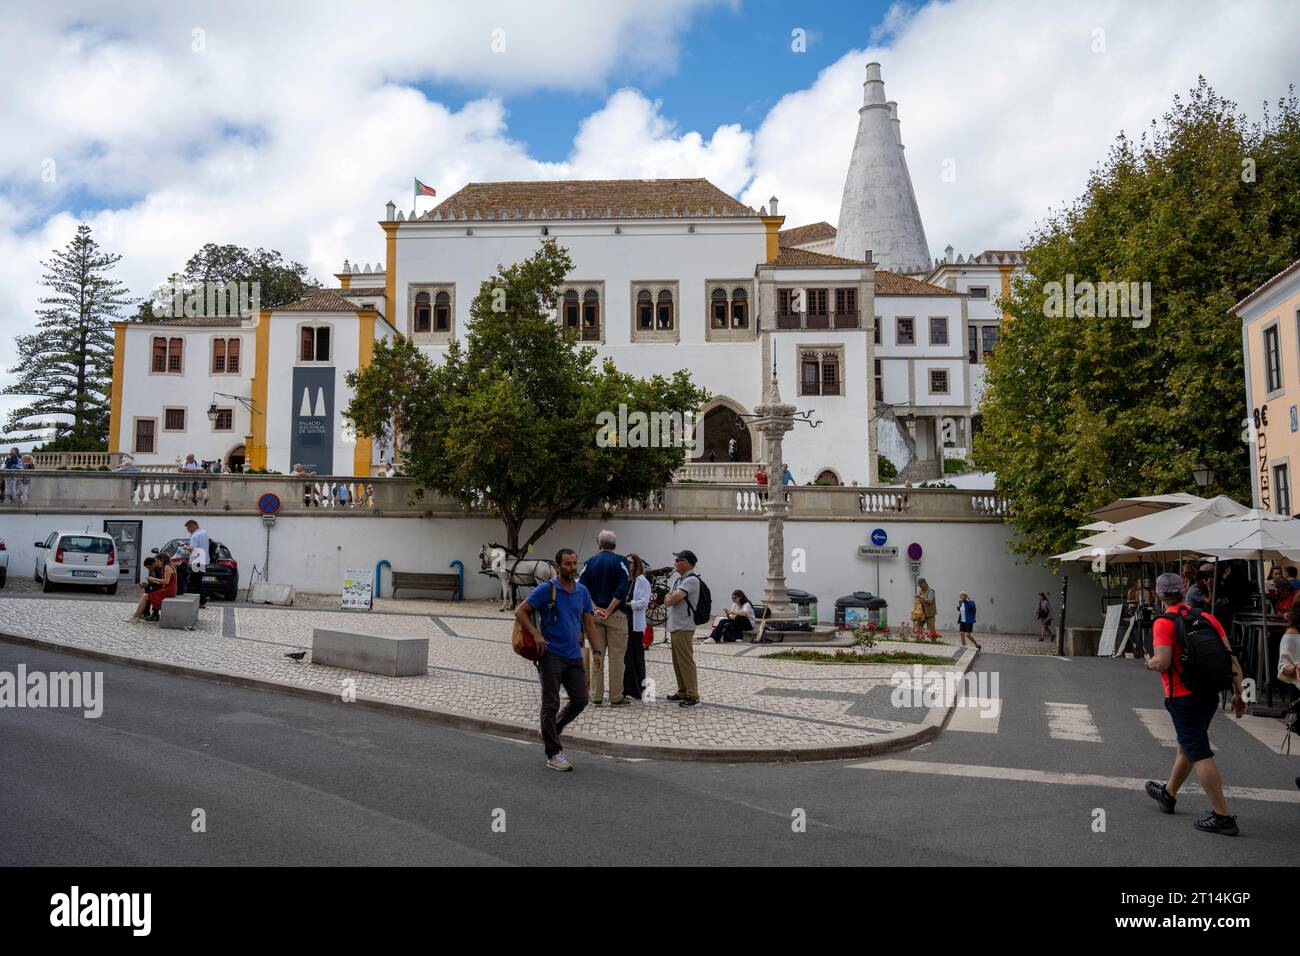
point(749, 702)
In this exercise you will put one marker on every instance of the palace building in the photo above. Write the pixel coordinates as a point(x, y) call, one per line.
point(864, 330)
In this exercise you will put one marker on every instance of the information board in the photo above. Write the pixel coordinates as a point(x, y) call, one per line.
point(358, 584)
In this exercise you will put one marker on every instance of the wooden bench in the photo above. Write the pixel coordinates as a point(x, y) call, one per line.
point(420, 581)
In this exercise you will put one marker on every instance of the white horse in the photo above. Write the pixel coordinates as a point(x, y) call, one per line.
point(509, 571)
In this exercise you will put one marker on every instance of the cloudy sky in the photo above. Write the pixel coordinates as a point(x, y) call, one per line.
point(289, 125)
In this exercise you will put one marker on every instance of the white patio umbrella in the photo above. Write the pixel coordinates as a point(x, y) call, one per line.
point(1124, 509)
point(1114, 554)
point(1161, 526)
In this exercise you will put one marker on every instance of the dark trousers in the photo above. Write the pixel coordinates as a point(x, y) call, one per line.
point(556, 671)
point(634, 662)
point(182, 578)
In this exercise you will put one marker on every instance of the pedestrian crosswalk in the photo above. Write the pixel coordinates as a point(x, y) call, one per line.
point(1075, 722)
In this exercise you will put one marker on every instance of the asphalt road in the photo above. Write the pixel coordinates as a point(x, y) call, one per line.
point(288, 781)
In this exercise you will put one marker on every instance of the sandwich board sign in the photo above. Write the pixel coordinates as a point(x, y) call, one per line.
point(358, 584)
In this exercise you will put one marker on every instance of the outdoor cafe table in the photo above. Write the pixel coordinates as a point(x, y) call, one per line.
point(1255, 642)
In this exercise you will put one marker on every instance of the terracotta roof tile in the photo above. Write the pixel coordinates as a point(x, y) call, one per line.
point(891, 283)
point(590, 199)
point(799, 235)
point(806, 257)
point(320, 300)
point(198, 321)
point(1290, 270)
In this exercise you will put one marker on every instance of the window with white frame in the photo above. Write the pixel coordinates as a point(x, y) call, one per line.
point(905, 331)
point(314, 343)
point(654, 311)
point(938, 381)
point(1272, 359)
point(225, 356)
point(173, 419)
point(144, 435)
point(225, 420)
point(168, 355)
point(1282, 489)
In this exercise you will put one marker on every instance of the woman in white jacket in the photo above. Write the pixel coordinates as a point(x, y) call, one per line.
point(639, 600)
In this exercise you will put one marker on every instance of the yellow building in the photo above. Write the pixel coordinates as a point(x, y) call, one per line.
point(1270, 341)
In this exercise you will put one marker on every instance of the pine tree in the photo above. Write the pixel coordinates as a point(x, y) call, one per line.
point(66, 365)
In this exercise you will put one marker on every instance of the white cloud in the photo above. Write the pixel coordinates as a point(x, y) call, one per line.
point(1015, 96)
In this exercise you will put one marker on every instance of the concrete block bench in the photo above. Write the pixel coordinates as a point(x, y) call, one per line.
point(374, 653)
point(178, 613)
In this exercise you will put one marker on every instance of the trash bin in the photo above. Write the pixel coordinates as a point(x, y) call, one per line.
point(860, 607)
point(805, 603)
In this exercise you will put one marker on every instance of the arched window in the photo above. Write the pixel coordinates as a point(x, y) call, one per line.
point(827, 477)
point(591, 316)
point(664, 311)
point(718, 308)
point(175, 357)
point(218, 355)
point(570, 311)
point(739, 308)
point(423, 319)
point(442, 312)
point(645, 310)
point(159, 355)
point(232, 356)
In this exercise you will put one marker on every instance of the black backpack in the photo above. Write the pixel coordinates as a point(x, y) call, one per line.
point(701, 612)
point(1201, 660)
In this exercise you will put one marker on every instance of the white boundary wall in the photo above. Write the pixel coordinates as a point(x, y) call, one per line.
point(312, 552)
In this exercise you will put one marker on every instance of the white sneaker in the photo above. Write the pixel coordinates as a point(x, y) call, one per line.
point(559, 762)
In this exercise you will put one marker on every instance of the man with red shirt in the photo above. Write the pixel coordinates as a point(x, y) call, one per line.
point(1191, 713)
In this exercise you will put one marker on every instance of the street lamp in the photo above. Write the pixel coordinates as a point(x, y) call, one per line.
point(1203, 474)
point(213, 411)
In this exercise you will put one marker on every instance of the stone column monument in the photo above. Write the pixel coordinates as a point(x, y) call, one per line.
point(774, 419)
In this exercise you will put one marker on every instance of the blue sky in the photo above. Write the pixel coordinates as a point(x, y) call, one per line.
point(733, 64)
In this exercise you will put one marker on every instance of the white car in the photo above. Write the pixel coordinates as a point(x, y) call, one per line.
point(4, 563)
point(83, 558)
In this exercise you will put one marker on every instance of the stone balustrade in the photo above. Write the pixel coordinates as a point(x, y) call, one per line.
point(143, 492)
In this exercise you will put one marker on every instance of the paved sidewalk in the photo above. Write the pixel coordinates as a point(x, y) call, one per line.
point(753, 708)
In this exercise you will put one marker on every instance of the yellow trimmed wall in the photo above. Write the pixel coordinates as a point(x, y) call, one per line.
point(256, 452)
point(362, 454)
point(115, 393)
point(773, 225)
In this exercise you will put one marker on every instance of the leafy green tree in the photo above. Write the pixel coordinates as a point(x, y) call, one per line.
point(66, 366)
point(1080, 411)
point(511, 419)
point(278, 281)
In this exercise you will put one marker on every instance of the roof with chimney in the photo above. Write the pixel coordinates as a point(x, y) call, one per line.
point(589, 199)
point(878, 210)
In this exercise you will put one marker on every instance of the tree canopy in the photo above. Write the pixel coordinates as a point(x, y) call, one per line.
point(1082, 410)
point(66, 366)
point(279, 282)
point(511, 418)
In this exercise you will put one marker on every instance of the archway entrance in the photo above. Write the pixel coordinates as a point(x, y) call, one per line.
point(826, 477)
point(235, 459)
point(721, 424)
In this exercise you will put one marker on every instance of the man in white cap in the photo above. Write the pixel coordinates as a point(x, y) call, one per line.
point(1185, 653)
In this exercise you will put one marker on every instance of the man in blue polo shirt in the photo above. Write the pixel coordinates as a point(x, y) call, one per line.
point(564, 610)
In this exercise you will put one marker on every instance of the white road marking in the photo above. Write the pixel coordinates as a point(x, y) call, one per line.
point(1071, 722)
point(1158, 723)
point(1063, 779)
point(980, 715)
point(1269, 731)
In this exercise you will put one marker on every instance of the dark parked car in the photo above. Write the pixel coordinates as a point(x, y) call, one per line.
point(222, 575)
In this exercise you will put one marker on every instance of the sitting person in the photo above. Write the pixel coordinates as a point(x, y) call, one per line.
point(159, 584)
point(1285, 595)
point(735, 621)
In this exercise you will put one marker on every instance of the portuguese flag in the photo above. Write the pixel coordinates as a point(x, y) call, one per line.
point(422, 190)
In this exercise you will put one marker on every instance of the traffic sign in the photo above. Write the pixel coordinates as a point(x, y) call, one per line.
point(870, 551)
point(916, 567)
point(878, 537)
point(268, 504)
point(914, 552)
